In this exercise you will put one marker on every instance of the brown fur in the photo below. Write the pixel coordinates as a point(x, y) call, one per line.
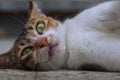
point(8, 61)
point(14, 58)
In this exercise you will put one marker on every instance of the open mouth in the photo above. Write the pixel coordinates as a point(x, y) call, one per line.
point(52, 50)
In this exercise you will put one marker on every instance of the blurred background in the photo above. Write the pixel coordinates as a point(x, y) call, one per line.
point(13, 15)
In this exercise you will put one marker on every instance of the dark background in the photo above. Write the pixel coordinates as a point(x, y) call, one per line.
point(13, 13)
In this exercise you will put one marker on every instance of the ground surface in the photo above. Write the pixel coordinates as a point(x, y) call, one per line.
point(57, 75)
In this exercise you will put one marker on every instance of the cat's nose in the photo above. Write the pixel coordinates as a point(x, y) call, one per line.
point(42, 42)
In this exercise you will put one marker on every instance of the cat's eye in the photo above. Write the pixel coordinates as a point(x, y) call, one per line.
point(27, 51)
point(40, 27)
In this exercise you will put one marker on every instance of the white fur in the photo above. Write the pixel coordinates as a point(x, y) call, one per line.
point(92, 37)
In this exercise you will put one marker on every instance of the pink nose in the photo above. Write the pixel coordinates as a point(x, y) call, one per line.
point(42, 42)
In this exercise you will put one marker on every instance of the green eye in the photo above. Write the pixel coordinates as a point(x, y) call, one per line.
point(40, 27)
point(27, 51)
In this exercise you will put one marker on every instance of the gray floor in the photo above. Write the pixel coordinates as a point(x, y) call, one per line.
point(6, 44)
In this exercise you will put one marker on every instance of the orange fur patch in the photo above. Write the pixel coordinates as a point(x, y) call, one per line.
point(51, 23)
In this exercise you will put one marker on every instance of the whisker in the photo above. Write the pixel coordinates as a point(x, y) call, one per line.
point(64, 11)
point(36, 73)
point(53, 67)
point(17, 20)
point(24, 18)
point(39, 63)
point(38, 69)
point(35, 76)
point(43, 66)
point(59, 15)
point(34, 66)
point(69, 16)
point(46, 66)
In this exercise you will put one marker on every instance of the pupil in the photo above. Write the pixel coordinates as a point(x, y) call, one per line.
point(28, 50)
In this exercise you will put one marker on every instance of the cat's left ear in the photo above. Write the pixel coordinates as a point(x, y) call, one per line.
point(34, 11)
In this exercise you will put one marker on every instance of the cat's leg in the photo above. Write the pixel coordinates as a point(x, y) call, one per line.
point(108, 16)
point(103, 17)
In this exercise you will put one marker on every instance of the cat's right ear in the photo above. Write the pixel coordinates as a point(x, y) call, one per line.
point(34, 11)
point(8, 61)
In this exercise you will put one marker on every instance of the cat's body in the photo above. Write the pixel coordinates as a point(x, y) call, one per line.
point(92, 38)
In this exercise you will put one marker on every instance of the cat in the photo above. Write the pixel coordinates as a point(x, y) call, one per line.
point(90, 40)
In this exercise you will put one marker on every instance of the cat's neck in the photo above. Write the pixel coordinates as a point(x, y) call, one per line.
point(62, 38)
point(62, 33)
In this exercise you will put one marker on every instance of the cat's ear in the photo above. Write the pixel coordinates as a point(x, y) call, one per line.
point(34, 11)
point(7, 60)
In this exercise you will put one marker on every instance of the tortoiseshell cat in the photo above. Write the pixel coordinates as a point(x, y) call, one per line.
point(92, 38)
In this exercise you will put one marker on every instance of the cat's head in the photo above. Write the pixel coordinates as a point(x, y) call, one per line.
point(34, 48)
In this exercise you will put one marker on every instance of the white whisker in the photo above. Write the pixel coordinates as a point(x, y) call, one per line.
point(52, 66)
point(18, 20)
point(34, 66)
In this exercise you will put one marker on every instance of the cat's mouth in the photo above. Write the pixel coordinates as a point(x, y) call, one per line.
point(43, 43)
point(52, 49)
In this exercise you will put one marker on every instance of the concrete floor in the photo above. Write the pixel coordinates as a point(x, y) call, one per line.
point(57, 75)
point(6, 44)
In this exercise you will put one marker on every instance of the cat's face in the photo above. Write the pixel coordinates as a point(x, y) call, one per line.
point(35, 46)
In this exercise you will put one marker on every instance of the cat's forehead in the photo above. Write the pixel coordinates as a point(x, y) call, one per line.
point(23, 40)
point(44, 19)
point(35, 20)
point(49, 23)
